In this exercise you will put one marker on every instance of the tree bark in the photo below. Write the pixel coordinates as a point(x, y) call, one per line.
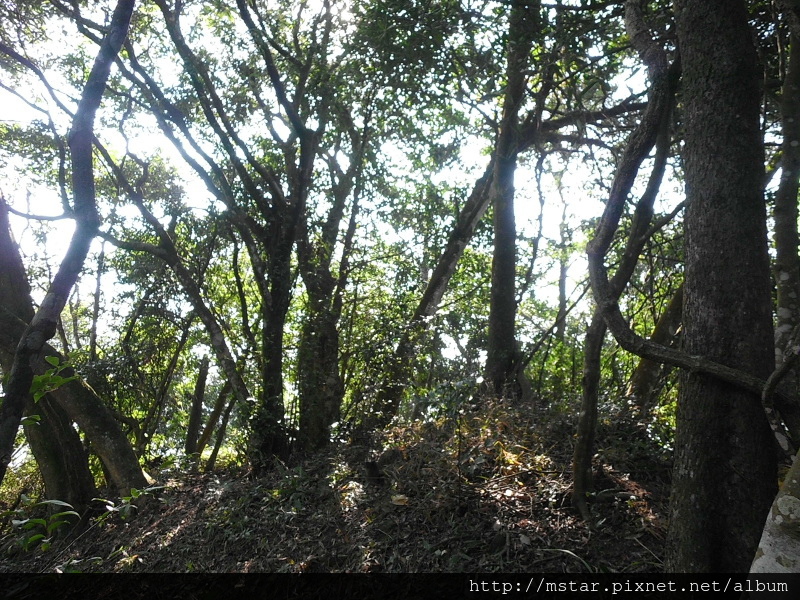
point(59, 453)
point(779, 548)
point(725, 472)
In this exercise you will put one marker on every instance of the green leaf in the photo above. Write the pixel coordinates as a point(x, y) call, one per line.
point(31, 420)
point(55, 503)
point(53, 360)
point(31, 541)
point(34, 522)
point(54, 525)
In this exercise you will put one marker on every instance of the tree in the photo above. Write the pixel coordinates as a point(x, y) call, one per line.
point(724, 477)
point(652, 130)
point(43, 325)
point(502, 360)
point(785, 214)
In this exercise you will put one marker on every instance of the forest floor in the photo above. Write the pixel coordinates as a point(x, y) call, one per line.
point(489, 491)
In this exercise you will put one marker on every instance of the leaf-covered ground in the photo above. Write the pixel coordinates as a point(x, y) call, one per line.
point(487, 491)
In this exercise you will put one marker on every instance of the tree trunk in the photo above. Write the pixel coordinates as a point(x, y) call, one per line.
point(320, 384)
point(43, 325)
point(101, 261)
point(502, 356)
point(196, 411)
point(76, 398)
point(398, 371)
point(652, 130)
point(60, 455)
point(56, 446)
point(785, 213)
point(212, 460)
point(267, 434)
point(724, 475)
point(85, 408)
point(213, 419)
point(582, 482)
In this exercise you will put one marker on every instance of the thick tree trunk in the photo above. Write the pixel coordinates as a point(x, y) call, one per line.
point(85, 408)
point(725, 472)
point(56, 446)
point(60, 455)
point(320, 384)
point(267, 434)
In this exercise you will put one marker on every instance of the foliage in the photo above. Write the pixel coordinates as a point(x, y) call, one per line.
point(51, 379)
point(127, 507)
point(33, 531)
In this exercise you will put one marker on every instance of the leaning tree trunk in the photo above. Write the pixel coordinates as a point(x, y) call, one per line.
point(84, 407)
point(725, 473)
point(196, 413)
point(55, 444)
point(59, 453)
point(399, 367)
point(652, 130)
point(72, 402)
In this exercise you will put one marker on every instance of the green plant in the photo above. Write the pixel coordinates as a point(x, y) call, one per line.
point(51, 379)
point(35, 531)
point(127, 506)
point(75, 565)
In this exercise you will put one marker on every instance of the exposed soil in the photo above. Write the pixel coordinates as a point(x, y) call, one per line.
point(485, 492)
